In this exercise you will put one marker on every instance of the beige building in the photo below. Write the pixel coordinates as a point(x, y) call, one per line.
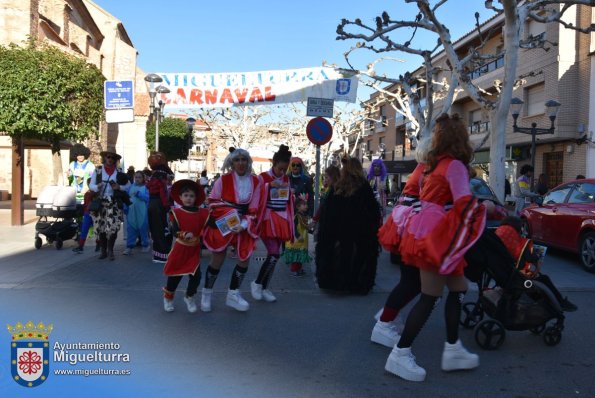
point(562, 73)
point(81, 28)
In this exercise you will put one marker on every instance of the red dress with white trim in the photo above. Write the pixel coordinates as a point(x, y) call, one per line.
point(437, 237)
point(277, 217)
point(184, 257)
point(231, 193)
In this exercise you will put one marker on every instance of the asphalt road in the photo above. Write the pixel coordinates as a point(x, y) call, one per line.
point(308, 344)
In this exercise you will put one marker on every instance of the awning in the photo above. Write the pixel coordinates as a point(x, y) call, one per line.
point(400, 166)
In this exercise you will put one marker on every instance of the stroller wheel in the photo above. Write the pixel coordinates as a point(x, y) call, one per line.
point(552, 336)
point(58, 244)
point(538, 329)
point(490, 334)
point(471, 315)
point(38, 243)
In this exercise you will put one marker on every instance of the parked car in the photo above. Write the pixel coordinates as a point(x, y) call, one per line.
point(482, 191)
point(566, 220)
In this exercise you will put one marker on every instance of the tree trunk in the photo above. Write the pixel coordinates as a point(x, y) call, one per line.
point(57, 171)
point(18, 179)
point(513, 28)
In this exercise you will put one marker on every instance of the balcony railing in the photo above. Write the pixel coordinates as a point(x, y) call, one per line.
point(479, 127)
point(487, 68)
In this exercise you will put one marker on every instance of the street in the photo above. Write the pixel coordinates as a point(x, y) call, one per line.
point(308, 344)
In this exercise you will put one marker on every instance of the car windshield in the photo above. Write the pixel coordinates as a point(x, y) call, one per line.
point(556, 196)
point(582, 193)
point(480, 188)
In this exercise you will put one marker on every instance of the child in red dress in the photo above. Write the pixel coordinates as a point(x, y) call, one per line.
point(186, 224)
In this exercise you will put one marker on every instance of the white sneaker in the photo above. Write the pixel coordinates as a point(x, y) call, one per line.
point(385, 333)
point(168, 305)
point(205, 300)
point(268, 296)
point(235, 300)
point(256, 290)
point(190, 304)
point(401, 362)
point(127, 251)
point(456, 357)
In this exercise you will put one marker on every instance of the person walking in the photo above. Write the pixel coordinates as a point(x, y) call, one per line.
point(137, 225)
point(296, 250)
point(186, 224)
point(435, 240)
point(111, 186)
point(387, 329)
point(522, 189)
point(277, 221)
point(80, 170)
point(87, 222)
point(235, 206)
point(300, 182)
point(158, 208)
point(347, 249)
point(377, 177)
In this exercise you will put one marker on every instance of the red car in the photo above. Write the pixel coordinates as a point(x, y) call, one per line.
point(566, 220)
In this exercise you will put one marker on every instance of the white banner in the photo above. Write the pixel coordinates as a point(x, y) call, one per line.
point(221, 90)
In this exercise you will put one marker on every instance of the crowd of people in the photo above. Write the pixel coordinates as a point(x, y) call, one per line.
point(431, 227)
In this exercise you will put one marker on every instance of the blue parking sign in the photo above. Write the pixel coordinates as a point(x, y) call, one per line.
point(118, 94)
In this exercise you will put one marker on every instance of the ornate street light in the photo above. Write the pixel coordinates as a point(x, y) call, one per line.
point(551, 109)
point(156, 110)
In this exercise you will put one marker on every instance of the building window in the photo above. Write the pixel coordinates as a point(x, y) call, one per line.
point(535, 99)
point(476, 124)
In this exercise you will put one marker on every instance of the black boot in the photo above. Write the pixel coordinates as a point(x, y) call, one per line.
point(103, 246)
point(110, 247)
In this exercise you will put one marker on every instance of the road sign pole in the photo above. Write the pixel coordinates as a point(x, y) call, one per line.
point(317, 182)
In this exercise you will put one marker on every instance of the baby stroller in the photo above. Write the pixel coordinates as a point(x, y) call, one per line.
point(512, 301)
point(58, 211)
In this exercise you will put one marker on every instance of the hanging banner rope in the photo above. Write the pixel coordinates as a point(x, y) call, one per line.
point(221, 90)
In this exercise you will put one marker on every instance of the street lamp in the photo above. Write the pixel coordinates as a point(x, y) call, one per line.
point(551, 109)
point(156, 111)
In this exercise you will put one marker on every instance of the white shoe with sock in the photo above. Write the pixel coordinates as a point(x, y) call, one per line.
point(190, 304)
point(401, 362)
point(268, 296)
point(456, 357)
point(235, 300)
point(256, 290)
point(205, 300)
point(168, 305)
point(385, 333)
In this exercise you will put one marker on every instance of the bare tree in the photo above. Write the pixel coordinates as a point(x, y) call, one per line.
point(494, 102)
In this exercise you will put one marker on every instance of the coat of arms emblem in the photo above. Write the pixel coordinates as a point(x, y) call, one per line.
point(29, 353)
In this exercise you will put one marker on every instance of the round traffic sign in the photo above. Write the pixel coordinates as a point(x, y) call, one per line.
point(319, 131)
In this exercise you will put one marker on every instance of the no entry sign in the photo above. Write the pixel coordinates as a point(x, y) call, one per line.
point(319, 131)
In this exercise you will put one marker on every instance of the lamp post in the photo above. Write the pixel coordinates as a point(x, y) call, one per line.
point(190, 122)
point(551, 109)
point(156, 111)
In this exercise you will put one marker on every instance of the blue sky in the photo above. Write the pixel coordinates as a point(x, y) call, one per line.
point(198, 36)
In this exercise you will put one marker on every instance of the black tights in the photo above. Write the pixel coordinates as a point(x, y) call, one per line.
point(193, 282)
point(409, 286)
point(422, 310)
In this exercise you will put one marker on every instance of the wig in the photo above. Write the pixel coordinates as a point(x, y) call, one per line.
point(377, 162)
point(227, 163)
point(295, 159)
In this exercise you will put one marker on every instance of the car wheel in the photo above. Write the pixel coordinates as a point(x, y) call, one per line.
point(525, 230)
point(587, 251)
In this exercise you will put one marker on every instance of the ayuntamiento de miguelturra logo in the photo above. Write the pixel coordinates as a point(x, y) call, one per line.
point(30, 353)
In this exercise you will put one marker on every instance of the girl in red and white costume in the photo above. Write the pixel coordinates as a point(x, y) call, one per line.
point(277, 220)
point(236, 190)
point(435, 240)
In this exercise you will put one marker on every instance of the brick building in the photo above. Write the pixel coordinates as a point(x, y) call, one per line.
point(81, 28)
point(563, 73)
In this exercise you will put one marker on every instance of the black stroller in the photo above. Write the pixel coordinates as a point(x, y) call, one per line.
point(512, 301)
point(59, 204)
